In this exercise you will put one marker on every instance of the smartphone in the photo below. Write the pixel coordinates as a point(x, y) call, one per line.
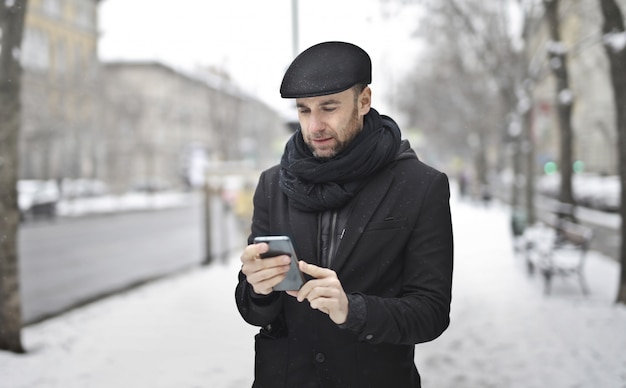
point(281, 245)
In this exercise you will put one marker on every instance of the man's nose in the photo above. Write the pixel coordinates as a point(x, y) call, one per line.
point(316, 123)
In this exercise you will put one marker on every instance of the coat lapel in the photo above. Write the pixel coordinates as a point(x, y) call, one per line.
point(368, 201)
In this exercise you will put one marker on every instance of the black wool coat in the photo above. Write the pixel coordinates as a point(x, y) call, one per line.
point(396, 252)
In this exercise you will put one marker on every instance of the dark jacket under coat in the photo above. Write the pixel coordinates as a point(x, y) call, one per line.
point(396, 251)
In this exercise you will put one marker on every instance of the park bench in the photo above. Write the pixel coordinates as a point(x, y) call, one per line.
point(558, 248)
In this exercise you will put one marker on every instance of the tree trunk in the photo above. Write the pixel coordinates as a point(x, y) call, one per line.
point(11, 27)
point(531, 23)
point(528, 150)
point(564, 100)
point(612, 28)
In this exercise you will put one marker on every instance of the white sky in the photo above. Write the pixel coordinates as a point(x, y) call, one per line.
point(252, 39)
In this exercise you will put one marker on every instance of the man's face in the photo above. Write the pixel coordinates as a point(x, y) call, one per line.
point(330, 122)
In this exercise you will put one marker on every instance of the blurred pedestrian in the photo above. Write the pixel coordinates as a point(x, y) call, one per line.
point(485, 194)
point(463, 183)
point(371, 224)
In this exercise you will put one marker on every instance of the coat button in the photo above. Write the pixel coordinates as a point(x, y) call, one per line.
point(319, 357)
point(369, 337)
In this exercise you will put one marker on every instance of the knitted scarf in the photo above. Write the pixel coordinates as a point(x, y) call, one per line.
point(314, 184)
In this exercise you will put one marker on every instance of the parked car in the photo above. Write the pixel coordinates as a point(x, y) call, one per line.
point(37, 198)
point(151, 185)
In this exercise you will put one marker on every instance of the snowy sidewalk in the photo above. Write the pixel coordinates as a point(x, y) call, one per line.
point(185, 332)
point(179, 332)
point(506, 334)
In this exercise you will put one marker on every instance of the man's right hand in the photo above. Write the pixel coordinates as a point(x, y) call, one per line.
point(263, 274)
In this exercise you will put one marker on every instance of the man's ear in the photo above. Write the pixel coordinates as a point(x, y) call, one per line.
point(365, 101)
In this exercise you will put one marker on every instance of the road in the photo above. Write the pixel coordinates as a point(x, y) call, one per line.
point(71, 261)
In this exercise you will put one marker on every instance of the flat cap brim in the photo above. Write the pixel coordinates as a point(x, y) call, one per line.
point(326, 68)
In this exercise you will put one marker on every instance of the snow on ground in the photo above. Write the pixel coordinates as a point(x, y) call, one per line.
point(131, 201)
point(505, 332)
point(179, 332)
point(185, 331)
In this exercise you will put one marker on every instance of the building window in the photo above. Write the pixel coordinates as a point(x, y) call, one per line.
point(35, 50)
point(61, 57)
point(84, 13)
point(52, 7)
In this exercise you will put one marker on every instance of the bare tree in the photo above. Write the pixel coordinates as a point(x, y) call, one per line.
point(557, 55)
point(530, 72)
point(12, 15)
point(480, 80)
point(615, 44)
point(458, 114)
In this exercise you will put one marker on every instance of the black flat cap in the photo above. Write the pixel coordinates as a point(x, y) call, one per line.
point(326, 68)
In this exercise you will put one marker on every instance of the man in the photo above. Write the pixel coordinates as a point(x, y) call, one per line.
point(372, 227)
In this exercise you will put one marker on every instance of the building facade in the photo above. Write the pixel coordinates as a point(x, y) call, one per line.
point(127, 124)
point(164, 125)
point(60, 81)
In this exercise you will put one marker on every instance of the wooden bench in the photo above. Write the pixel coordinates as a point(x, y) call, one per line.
point(558, 248)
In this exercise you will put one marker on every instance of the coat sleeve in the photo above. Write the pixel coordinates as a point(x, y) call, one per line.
point(258, 310)
point(422, 310)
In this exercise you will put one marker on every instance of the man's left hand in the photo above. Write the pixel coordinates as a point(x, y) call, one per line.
point(324, 293)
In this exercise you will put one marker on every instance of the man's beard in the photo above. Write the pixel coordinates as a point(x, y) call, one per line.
point(352, 129)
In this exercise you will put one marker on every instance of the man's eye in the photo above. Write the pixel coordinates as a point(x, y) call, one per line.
point(330, 109)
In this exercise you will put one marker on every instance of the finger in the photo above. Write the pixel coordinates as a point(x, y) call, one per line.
point(323, 277)
point(315, 271)
point(259, 274)
point(253, 251)
point(322, 304)
point(329, 287)
point(323, 299)
point(318, 294)
point(256, 265)
point(330, 300)
point(270, 276)
point(264, 281)
point(317, 288)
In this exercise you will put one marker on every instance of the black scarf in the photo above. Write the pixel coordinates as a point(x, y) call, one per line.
point(314, 184)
